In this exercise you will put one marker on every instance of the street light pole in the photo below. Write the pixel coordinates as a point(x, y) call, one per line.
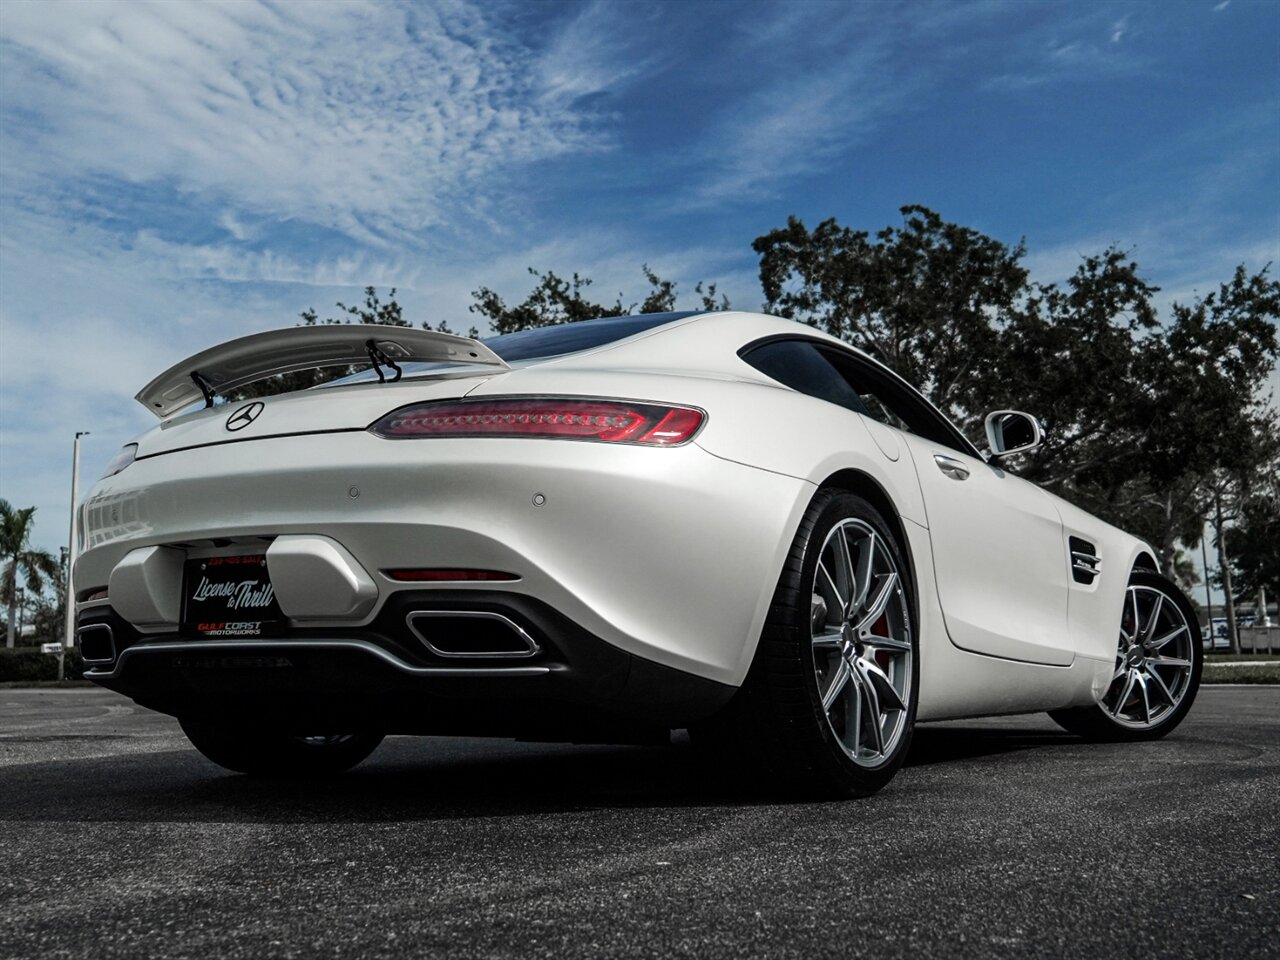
point(69, 637)
point(1208, 597)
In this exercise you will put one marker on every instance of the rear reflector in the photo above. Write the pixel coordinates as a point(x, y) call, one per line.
point(434, 575)
point(569, 418)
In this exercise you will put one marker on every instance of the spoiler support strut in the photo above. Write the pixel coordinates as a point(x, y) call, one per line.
point(203, 384)
point(376, 355)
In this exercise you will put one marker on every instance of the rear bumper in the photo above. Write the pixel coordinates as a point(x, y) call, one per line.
point(668, 554)
point(383, 678)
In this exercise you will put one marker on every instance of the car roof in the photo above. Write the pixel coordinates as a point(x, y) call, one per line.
point(694, 341)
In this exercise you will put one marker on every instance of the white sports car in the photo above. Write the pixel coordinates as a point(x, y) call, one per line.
point(601, 532)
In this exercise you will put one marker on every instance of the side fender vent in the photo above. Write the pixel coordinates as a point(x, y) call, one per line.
point(1085, 562)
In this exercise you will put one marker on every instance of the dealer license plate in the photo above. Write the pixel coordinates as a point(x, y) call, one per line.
point(230, 597)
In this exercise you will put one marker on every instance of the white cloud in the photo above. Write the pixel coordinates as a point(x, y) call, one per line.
point(790, 130)
point(374, 119)
point(828, 83)
point(1068, 48)
point(795, 123)
point(1219, 7)
point(591, 54)
point(234, 226)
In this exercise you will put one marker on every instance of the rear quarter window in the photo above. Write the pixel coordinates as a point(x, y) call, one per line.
point(801, 366)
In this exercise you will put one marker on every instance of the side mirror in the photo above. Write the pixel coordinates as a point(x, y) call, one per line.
point(1012, 431)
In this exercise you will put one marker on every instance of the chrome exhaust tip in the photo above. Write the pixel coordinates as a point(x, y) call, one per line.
point(471, 634)
point(97, 643)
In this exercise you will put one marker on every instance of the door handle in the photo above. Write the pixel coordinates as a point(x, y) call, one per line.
point(952, 467)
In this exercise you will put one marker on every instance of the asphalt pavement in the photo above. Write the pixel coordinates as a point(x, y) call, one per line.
point(1001, 838)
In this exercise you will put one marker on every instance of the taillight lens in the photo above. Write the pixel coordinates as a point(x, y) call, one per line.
point(570, 418)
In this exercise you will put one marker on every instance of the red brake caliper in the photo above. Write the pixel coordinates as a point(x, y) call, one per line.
point(881, 629)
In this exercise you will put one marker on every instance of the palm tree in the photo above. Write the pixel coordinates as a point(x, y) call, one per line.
point(20, 559)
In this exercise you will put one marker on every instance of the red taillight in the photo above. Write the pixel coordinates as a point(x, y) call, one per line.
point(438, 575)
point(546, 417)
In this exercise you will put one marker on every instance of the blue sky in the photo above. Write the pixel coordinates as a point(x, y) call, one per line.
point(172, 175)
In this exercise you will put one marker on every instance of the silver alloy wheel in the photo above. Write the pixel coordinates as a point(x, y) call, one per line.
point(862, 653)
point(1153, 660)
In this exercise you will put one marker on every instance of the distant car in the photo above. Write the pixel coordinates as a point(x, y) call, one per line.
point(599, 532)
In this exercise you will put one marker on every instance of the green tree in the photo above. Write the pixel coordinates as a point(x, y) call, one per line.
point(1148, 425)
point(927, 297)
point(552, 300)
point(21, 560)
point(1254, 545)
point(557, 300)
point(1208, 437)
point(1070, 357)
point(1249, 549)
point(373, 310)
point(49, 609)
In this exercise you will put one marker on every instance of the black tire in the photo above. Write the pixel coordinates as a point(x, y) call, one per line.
point(776, 725)
point(1098, 723)
point(268, 754)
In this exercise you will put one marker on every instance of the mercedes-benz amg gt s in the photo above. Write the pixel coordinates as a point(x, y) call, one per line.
point(600, 532)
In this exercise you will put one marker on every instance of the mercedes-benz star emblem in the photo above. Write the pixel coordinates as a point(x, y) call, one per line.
point(245, 415)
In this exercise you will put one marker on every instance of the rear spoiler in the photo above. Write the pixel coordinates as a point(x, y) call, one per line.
point(238, 363)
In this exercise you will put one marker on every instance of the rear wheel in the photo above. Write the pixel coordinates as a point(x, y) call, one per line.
point(267, 753)
point(829, 703)
point(1157, 668)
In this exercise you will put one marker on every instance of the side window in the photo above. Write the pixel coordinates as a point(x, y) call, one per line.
point(803, 366)
point(879, 403)
point(849, 381)
point(892, 402)
point(878, 409)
